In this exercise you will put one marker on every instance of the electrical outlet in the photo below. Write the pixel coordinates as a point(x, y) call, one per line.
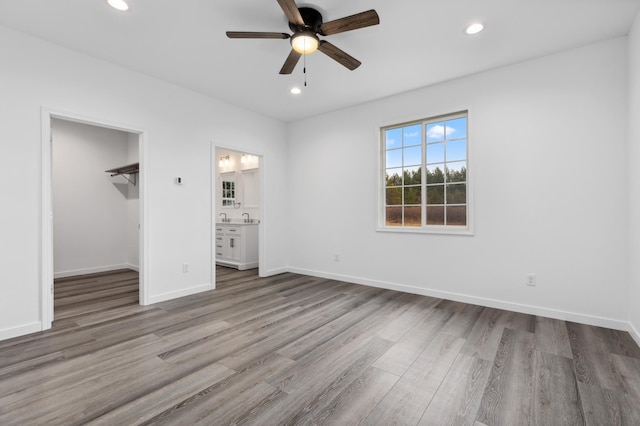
point(336, 257)
point(185, 267)
point(531, 280)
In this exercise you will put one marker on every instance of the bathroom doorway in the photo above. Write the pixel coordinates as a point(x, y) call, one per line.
point(237, 209)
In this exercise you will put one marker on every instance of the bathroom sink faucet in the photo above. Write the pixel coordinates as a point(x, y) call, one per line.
point(247, 219)
point(224, 219)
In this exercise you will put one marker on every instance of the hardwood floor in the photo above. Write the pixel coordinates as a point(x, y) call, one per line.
point(292, 349)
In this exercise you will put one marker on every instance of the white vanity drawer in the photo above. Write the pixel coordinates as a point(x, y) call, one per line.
point(233, 230)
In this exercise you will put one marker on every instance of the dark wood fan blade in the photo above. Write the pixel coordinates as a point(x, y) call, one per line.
point(339, 55)
point(353, 22)
point(291, 62)
point(290, 9)
point(250, 34)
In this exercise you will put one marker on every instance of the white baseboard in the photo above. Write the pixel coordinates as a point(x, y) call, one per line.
point(21, 330)
point(133, 267)
point(73, 273)
point(491, 303)
point(634, 333)
point(272, 272)
point(180, 293)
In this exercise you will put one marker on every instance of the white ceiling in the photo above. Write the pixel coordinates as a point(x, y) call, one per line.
point(418, 43)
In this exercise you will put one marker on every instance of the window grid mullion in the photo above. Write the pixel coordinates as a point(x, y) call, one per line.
point(444, 201)
point(423, 177)
point(402, 180)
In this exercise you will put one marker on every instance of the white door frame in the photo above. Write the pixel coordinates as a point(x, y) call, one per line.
point(46, 276)
point(262, 252)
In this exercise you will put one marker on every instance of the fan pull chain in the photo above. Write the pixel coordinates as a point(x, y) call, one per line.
point(304, 70)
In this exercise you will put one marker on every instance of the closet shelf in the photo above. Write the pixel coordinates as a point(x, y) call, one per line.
point(132, 170)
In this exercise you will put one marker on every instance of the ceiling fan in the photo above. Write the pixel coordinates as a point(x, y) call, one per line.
point(306, 24)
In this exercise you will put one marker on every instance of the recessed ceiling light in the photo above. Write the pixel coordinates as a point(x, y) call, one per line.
point(296, 91)
point(118, 4)
point(474, 28)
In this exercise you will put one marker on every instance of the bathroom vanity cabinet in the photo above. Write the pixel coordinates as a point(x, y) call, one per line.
point(237, 245)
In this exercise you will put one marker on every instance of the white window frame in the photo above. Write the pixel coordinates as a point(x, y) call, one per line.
point(425, 229)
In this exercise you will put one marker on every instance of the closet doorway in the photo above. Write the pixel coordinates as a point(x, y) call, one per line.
point(95, 217)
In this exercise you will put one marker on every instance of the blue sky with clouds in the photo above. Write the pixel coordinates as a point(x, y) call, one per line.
point(407, 142)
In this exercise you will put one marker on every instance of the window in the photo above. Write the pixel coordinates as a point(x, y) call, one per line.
point(425, 177)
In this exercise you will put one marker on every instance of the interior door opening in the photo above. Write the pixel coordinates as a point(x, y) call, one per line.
point(237, 209)
point(95, 213)
point(92, 238)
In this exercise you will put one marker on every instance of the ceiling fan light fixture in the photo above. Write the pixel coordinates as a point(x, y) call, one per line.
point(305, 42)
point(118, 4)
point(474, 28)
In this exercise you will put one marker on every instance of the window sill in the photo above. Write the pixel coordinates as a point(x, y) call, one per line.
point(427, 230)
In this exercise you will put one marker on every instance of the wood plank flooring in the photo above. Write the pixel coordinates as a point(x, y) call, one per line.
point(292, 349)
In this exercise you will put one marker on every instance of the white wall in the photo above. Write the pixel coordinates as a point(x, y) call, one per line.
point(548, 140)
point(180, 126)
point(89, 207)
point(634, 178)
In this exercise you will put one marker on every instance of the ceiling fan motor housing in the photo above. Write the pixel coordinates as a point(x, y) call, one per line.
point(312, 20)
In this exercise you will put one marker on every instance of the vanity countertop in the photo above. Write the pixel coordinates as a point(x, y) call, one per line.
point(239, 222)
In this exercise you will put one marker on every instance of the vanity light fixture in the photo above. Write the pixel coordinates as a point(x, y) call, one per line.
point(118, 5)
point(224, 161)
point(474, 28)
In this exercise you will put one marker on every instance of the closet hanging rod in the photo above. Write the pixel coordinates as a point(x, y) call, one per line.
point(130, 169)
